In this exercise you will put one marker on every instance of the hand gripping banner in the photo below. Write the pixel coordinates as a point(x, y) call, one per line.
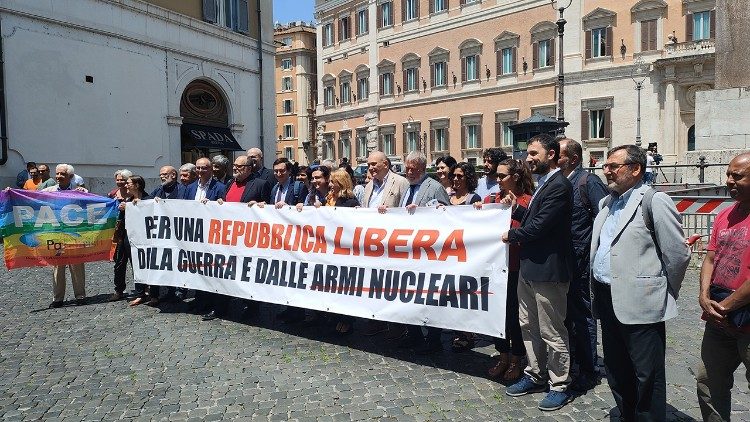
point(55, 228)
point(443, 267)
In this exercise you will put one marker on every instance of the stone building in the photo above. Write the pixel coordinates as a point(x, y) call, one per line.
point(296, 82)
point(109, 84)
point(450, 76)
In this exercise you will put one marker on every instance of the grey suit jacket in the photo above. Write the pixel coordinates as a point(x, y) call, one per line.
point(395, 188)
point(645, 283)
point(429, 190)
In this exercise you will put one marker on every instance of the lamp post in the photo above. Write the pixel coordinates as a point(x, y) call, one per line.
point(639, 73)
point(560, 71)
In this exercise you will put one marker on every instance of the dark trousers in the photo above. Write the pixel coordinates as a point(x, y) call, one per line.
point(433, 334)
point(122, 256)
point(513, 341)
point(634, 357)
point(580, 322)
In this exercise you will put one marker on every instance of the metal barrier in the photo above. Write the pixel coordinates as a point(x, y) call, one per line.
point(680, 173)
point(698, 223)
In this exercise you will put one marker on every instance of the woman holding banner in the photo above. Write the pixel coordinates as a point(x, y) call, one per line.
point(512, 176)
point(442, 171)
point(319, 179)
point(120, 192)
point(135, 192)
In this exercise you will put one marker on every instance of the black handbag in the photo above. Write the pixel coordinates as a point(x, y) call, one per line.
point(739, 317)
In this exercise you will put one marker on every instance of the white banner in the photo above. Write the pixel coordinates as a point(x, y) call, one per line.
point(443, 267)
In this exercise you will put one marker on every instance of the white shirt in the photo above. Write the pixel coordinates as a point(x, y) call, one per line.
point(376, 198)
point(201, 190)
point(283, 189)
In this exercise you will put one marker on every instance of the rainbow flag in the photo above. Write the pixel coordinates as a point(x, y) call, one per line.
point(55, 228)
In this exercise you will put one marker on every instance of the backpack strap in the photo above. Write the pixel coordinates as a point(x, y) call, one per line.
point(647, 209)
point(296, 190)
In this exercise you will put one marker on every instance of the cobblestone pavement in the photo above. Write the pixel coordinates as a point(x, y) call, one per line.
point(105, 361)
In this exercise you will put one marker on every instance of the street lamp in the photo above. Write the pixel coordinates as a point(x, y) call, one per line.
point(639, 73)
point(560, 73)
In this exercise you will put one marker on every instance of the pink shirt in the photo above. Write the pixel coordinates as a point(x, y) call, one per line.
point(730, 240)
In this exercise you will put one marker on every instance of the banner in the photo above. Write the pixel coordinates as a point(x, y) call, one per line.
point(442, 267)
point(55, 228)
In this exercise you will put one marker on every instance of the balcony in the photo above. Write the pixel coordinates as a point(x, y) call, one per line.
point(690, 48)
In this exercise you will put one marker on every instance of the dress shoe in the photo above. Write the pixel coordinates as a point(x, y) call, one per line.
point(55, 304)
point(515, 368)
point(210, 316)
point(498, 370)
point(81, 302)
point(116, 296)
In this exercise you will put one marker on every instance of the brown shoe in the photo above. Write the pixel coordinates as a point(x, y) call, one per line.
point(375, 327)
point(515, 368)
point(497, 371)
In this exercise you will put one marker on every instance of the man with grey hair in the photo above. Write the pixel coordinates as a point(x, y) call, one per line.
point(169, 188)
point(188, 174)
point(255, 156)
point(64, 177)
point(423, 191)
point(221, 168)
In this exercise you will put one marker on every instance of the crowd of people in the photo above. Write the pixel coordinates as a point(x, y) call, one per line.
point(579, 250)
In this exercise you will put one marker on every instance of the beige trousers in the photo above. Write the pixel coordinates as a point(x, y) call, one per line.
point(77, 278)
point(542, 308)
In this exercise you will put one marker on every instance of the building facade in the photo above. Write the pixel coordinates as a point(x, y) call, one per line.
point(109, 84)
point(451, 76)
point(296, 91)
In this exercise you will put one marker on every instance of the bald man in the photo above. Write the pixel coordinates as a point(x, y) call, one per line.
point(386, 187)
point(169, 188)
point(255, 156)
point(725, 296)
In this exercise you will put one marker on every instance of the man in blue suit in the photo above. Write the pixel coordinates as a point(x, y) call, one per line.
point(286, 191)
point(205, 187)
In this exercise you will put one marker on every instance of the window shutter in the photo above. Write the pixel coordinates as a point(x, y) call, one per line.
point(380, 16)
point(446, 138)
point(535, 56)
point(463, 134)
point(417, 9)
point(584, 125)
point(513, 59)
point(689, 27)
point(416, 78)
point(432, 75)
point(349, 28)
point(432, 6)
point(404, 144)
point(209, 11)
point(499, 62)
point(478, 68)
point(403, 11)
point(341, 29)
point(463, 69)
point(447, 7)
point(463, 2)
point(645, 35)
point(390, 14)
point(551, 53)
point(609, 41)
point(380, 84)
point(652, 35)
point(608, 123)
point(404, 86)
point(243, 22)
point(479, 136)
point(588, 44)
point(498, 134)
point(432, 132)
point(713, 24)
point(357, 29)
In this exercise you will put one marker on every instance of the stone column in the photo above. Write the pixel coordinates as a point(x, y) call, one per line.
point(371, 121)
point(732, 46)
point(668, 148)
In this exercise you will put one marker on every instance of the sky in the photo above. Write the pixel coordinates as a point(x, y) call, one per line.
point(285, 11)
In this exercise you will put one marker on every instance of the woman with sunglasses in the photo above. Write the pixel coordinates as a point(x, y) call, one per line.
point(465, 181)
point(512, 176)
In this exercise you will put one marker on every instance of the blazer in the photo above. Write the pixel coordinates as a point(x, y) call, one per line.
point(395, 188)
point(430, 190)
point(290, 198)
point(175, 191)
point(583, 216)
point(546, 248)
point(646, 278)
point(265, 174)
point(256, 189)
point(214, 191)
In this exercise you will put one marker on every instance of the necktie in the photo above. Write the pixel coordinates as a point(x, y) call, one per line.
point(410, 198)
point(278, 194)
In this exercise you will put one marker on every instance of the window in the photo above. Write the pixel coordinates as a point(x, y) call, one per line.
point(702, 26)
point(363, 89)
point(361, 143)
point(472, 136)
point(287, 41)
point(328, 147)
point(385, 14)
point(410, 10)
point(289, 153)
point(411, 80)
point(440, 139)
point(345, 28)
point(508, 61)
point(287, 107)
point(389, 144)
point(412, 141)
point(232, 14)
point(599, 42)
point(328, 97)
point(286, 64)
point(327, 34)
point(507, 134)
point(649, 35)
point(288, 131)
point(438, 6)
point(345, 93)
point(545, 54)
point(597, 124)
point(345, 147)
point(386, 84)
point(471, 68)
point(362, 22)
point(439, 74)
point(286, 83)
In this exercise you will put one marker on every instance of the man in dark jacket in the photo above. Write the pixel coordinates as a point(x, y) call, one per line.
point(286, 191)
point(169, 188)
point(588, 190)
point(547, 266)
point(255, 157)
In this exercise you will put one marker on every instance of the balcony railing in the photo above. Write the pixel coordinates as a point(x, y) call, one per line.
point(690, 48)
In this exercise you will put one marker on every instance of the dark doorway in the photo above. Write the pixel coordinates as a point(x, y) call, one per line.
point(691, 138)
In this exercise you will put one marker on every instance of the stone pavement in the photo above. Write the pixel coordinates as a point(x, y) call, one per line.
point(105, 361)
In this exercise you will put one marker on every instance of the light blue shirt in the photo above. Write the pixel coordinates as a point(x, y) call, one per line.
point(416, 187)
point(602, 267)
point(487, 186)
point(376, 197)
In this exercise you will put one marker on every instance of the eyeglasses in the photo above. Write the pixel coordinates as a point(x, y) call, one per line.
point(501, 176)
point(613, 167)
point(457, 176)
point(236, 166)
point(164, 174)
